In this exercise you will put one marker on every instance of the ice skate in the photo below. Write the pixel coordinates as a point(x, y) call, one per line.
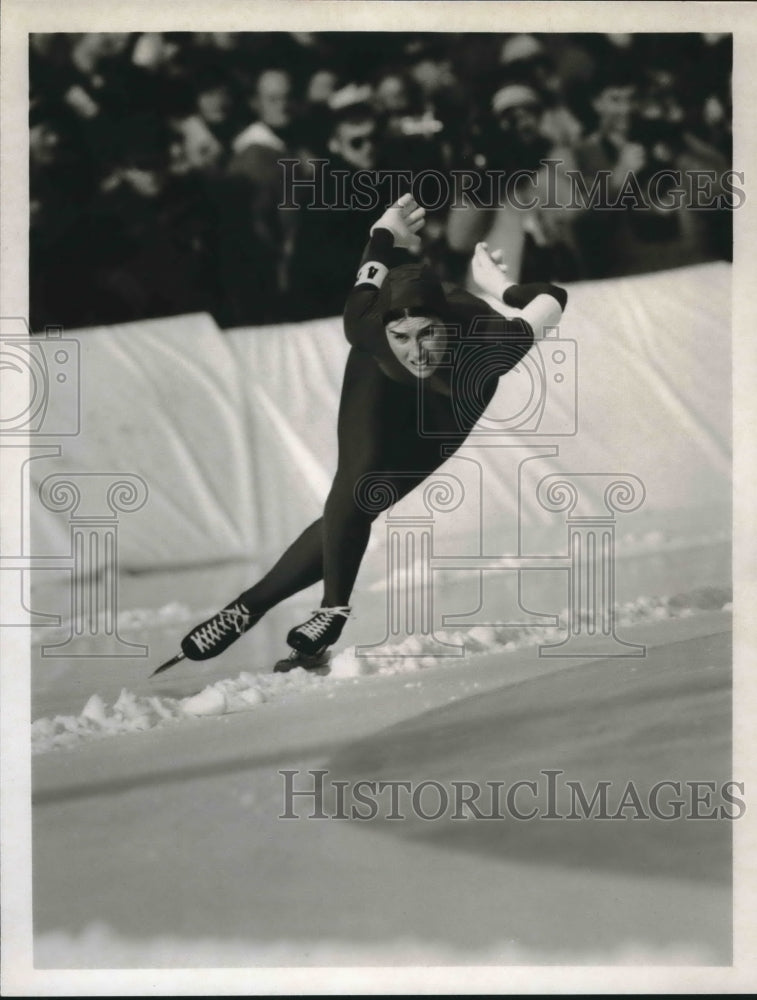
point(214, 635)
point(320, 631)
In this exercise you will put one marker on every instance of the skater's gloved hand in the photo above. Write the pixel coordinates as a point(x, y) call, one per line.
point(404, 220)
point(489, 273)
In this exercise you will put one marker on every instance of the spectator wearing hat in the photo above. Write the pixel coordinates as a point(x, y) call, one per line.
point(533, 239)
point(524, 59)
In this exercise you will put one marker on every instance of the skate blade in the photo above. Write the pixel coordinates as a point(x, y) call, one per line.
point(319, 662)
point(169, 663)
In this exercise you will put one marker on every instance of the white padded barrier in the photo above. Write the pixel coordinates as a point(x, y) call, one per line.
point(233, 434)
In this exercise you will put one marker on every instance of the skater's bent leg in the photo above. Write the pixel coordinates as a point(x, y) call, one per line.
point(304, 561)
point(346, 531)
point(299, 567)
point(347, 528)
point(361, 432)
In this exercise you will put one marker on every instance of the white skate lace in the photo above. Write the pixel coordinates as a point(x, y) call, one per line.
point(316, 627)
point(207, 635)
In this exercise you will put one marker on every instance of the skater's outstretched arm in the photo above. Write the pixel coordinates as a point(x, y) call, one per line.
point(540, 304)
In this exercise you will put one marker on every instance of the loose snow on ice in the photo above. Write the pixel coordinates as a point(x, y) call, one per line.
point(138, 713)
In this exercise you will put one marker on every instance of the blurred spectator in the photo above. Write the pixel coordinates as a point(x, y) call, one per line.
point(524, 59)
point(574, 65)
point(148, 232)
point(323, 83)
point(102, 79)
point(155, 51)
point(711, 110)
point(610, 149)
point(611, 146)
point(640, 133)
point(328, 243)
point(167, 66)
point(256, 154)
point(412, 139)
point(155, 183)
point(431, 68)
point(397, 94)
point(353, 133)
point(538, 241)
point(217, 105)
point(195, 147)
point(430, 65)
point(411, 134)
point(103, 88)
point(273, 105)
point(517, 141)
point(535, 240)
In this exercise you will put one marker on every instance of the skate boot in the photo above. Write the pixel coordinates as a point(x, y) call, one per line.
point(320, 631)
point(216, 634)
point(295, 659)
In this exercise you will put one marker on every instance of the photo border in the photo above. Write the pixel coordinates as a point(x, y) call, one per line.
point(19, 17)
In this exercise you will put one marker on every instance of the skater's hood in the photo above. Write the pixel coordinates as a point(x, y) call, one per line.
point(414, 289)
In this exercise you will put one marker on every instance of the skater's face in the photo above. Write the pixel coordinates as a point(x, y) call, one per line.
point(417, 342)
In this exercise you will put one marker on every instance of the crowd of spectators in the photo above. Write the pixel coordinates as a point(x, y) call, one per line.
point(156, 184)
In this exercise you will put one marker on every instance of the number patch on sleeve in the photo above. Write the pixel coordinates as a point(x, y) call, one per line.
point(372, 273)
